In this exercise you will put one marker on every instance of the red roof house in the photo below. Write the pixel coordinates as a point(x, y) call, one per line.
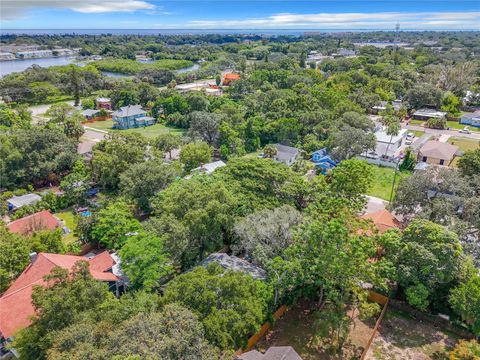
point(383, 220)
point(229, 78)
point(27, 225)
point(16, 306)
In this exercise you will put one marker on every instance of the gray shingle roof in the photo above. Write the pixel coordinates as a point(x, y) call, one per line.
point(236, 264)
point(28, 199)
point(273, 353)
point(129, 110)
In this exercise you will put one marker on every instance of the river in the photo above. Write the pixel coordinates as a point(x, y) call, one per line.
point(10, 66)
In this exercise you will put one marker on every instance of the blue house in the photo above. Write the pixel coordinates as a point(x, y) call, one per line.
point(132, 116)
point(323, 161)
point(472, 119)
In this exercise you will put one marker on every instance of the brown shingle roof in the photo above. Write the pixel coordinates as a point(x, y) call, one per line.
point(438, 150)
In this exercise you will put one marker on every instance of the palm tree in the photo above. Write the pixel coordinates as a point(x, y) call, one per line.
point(392, 123)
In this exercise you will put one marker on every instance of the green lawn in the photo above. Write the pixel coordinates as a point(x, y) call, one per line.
point(382, 181)
point(458, 126)
point(148, 131)
point(464, 143)
point(418, 133)
point(70, 221)
point(416, 122)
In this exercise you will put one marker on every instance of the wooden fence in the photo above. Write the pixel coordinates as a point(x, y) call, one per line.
point(382, 300)
point(253, 340)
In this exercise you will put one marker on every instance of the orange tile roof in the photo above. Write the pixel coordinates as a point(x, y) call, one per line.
point(16, 306)
point(383, 220)
point(27, 225)
point(228, 78)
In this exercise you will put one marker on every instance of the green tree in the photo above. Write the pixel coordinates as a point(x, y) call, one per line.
point(167, 143)
point(58, 113)
point(451, 104)
point(56, 305)
point(143, 180)
point(469, 163)
point(13, 257)
point(466, 350)
point(465, 301)
point(195, 154)
point(144, 261)
point(231, 305)
point(199, 210)
point(113, 224)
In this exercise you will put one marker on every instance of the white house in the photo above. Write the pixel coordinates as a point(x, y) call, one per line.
point(384, 141)
point(286, 154)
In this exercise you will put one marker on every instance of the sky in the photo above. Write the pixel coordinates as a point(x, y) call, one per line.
point(239, 14)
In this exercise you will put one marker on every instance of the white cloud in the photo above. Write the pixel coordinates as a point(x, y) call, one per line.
point(383, 20)
point(13, 9)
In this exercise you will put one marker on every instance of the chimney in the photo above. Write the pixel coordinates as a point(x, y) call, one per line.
point(33, 257)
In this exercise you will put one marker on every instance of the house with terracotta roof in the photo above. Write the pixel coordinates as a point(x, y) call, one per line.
point(438, 153)
point(16, 306)
point(43, 220)
point(229, 78)
point(384, 220)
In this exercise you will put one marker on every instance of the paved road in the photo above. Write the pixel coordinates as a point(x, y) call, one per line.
point(442, 132)
point(93, 135)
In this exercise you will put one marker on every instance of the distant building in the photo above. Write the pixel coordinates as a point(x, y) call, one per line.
point(6, 56)
point(425, 114)
point(103, 103)
point(382, 106)
point(209, 168)
point(235, 264)
point(229, 78)
point(472, 119)
point(30, 224)
point(345, 53)
point(273, 353)
point(17, 202)
point(286, 154)
point(132, 116)
point(90, 114)
point(34, 54)
point(438, 153)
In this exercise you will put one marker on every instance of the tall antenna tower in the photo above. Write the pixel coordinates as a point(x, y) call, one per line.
point(397, 33)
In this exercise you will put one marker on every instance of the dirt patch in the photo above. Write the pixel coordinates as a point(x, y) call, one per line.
point(402, 337)
point(297, 329)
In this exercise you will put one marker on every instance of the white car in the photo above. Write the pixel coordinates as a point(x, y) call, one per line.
point(408, 141)
point(465, 130)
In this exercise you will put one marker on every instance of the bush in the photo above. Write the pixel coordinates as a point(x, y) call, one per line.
point(417, 296)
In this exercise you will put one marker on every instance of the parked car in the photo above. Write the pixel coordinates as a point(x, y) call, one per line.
point(465, 130)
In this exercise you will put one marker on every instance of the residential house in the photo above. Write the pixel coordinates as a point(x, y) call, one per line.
point(425, 114)
point(234, 263)
point(472, 119)
point(209, 168)
point(131, 116)
point(388, 145)
point(229, 78)
point(323, 161)
point(344, 53)
point(438, 153)
point(16, 308)
point(384, 220)
point(42, 220)
point(17, 202)
point(286, 154)
point(90, 114)
point(273, 353)
point(103, 103)
point(382, 106)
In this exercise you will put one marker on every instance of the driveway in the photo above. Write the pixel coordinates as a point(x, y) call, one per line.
point(375, 204)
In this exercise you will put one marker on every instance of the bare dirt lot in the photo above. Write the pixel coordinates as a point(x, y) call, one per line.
point(402, 337)
point(297, 329)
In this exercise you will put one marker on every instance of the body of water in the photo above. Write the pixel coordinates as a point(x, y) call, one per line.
point(18, 65)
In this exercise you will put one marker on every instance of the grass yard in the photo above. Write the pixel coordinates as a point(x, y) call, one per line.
point(416, 122)
point(402, 337)
point(418, 133)
point(382, 181)
point(458, 126)
point(148, 131)
point(70, 221)
point(464, 144)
